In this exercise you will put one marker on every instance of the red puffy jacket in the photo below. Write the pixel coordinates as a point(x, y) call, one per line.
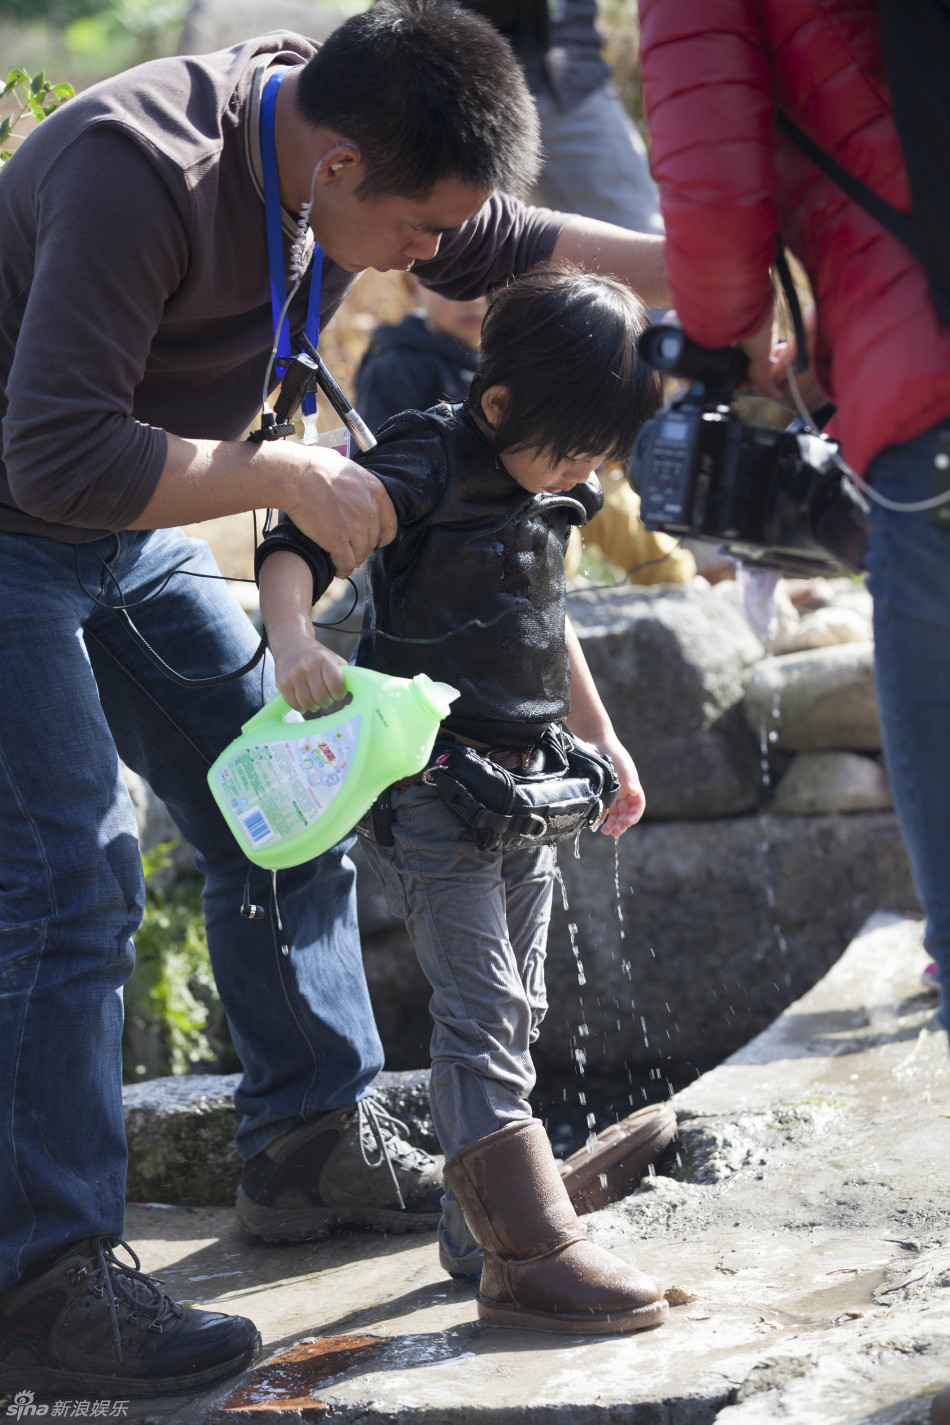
point(714, 73)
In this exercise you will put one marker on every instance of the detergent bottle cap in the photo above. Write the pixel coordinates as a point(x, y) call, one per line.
point(435, 698)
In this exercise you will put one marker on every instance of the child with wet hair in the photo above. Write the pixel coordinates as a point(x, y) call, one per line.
point(472, 592)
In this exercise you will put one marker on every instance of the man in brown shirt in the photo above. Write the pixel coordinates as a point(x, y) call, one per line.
point(135, 334)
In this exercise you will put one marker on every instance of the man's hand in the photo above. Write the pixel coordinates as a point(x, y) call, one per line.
point(812, 393)
point(340, 506)
point(759, 349)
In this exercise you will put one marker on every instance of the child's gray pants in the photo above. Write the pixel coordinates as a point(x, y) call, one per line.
point(479, 924)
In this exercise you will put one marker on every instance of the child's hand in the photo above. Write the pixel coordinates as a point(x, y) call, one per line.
point(631, 803)
point(308, 675)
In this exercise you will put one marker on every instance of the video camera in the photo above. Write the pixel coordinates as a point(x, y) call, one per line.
point(776, 499)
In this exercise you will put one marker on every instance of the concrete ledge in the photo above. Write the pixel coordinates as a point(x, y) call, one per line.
point(180, 1133)
point(805, 1234)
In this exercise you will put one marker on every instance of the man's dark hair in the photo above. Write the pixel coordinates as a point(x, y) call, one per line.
point(429, 91)
point(563, 342)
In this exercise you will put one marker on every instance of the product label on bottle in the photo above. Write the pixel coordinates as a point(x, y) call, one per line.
point(278, 789)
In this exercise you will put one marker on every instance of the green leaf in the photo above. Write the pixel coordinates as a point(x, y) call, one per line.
point(36, 108)
point(15, 77)
point(5, 126)
point(62, 92)
point(39, 82)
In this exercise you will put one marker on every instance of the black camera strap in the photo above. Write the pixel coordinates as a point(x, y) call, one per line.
point(898, 224)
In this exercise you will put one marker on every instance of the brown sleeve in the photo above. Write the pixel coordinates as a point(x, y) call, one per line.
point(110, 249)
point(505, 237)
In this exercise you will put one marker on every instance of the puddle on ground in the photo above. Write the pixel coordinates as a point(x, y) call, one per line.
point(288, 1381)
point(853, 1291)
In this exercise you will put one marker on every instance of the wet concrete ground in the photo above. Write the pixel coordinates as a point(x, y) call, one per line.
point(805, 1230)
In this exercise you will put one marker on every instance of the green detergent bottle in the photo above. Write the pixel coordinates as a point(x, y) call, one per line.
point(291, 790)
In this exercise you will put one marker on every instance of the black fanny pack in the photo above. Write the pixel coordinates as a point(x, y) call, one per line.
point(565, 785)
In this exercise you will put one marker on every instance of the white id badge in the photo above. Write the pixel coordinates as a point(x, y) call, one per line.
point(338, 439)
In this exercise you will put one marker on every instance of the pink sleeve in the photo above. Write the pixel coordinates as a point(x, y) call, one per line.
point(707, 91)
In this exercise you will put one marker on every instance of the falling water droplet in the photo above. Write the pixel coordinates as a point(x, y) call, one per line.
point(560, 880)
point(617, 887)
point(768, 737)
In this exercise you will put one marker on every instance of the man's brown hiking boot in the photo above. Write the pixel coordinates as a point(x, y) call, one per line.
point(90, 1323)
point(350, 1167)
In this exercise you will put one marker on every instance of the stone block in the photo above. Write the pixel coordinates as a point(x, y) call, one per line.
point(822, 699)
point(671, 665)
point(689, 938)
point(817, 782)
point(822, 628)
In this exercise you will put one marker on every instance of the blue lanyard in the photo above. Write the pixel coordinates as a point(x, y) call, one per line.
point(275, 232)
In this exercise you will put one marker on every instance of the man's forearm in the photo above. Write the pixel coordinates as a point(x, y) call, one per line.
point(333, 501)
point(204, 479)
point(637, 258)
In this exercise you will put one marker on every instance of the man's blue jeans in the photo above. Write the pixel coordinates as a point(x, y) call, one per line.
point(78, 694)
point(909, 568)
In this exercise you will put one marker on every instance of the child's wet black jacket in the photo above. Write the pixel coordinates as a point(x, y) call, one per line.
point(477, 565)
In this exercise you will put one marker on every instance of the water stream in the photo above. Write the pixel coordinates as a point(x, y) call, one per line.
point(575, 1112)
point(579, 1106)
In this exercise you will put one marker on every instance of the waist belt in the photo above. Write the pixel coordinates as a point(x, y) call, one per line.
point(563, 786)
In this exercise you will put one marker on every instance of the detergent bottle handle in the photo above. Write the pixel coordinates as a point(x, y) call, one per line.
point(273, 711)
point(355, 678)
point(277, 709)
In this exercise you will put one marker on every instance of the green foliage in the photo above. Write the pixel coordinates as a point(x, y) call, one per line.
point(31, 95)
point(129, 31)
point(57, 12)
point(174, 1019)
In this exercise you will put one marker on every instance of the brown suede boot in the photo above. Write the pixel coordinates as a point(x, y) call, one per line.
point(610, 1166)
point(540, 1272)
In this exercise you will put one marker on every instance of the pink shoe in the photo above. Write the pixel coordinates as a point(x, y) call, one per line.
point(930, 978)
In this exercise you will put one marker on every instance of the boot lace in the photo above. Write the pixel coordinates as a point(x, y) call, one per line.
point(117, 1282)
point(377, 1124)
